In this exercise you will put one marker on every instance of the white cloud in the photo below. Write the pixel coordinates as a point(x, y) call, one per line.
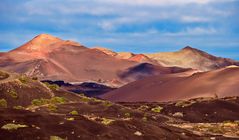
point(197, 31)
point(191, 19)
point(160, 2)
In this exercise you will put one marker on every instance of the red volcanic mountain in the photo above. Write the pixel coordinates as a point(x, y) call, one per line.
point(222, 82)
point(51, 58)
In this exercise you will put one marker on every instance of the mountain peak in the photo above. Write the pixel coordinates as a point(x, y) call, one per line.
point(45, 36)
point(189, 48)
point(39, 43)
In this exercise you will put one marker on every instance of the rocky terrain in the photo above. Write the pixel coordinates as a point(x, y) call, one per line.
point(34, 110)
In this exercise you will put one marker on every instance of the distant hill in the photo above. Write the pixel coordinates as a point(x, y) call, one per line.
point(218, 83)
point(189, 57)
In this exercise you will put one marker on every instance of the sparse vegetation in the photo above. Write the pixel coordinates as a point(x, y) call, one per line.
point(3, 75)
point(52, 107)
point(70, 119)
point(157, 109)
point(74, 112)
point(58, 100)
point(85, 99)
point(19, 107)
point(52, 86)
point(127, 115)
point(106, 121)
point(53, 100)
point(96, 100)
point(107, 103)
point(56, 138)
point(3, 103)
point(12, 126)
point(13, 93)
point(23, 79)
point(143, 107)
point(39, 102)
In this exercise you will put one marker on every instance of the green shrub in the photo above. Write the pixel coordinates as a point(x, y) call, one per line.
point(74, 112)
point(13, 93)
point(12, 126)
point(85, 99)
point(96, 100)
point(58, 100)
point(3, 75)
point(56, 138)
point(157, 109)
point(52, 86)
point(70, 119)
point(23, 79)
point(107, 103)
point(53, 100)
point(19, 107)
point(127, 115)
point(106, 121)
point(52, 107)
point(39, 102)
point(3, 103)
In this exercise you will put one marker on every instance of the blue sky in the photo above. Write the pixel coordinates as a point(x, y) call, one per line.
point(140, 26)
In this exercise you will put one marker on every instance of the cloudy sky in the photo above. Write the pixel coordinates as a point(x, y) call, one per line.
point(126, 25)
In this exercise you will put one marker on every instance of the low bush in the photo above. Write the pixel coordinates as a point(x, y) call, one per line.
point(106, 121)
point(58, 100)
point(39, 102)
point(127, 115)
point(13, 93)
point(53, 100)
point(3, 75)
point(107, 103)
point(3, 103)
point(56, 138)
point(157, 109)
point(23, 79)
point(85, 99)
point(19, 107)
point(11, 126)
point(74, 112)
point(52, 86)
point(52, 107)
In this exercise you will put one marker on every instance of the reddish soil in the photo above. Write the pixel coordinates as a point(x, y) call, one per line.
point(221, 83)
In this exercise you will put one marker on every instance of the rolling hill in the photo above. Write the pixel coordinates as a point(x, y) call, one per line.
point(218, 83)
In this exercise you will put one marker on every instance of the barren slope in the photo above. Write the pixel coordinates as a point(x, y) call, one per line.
point(222, 82)
point(190, 57)
point(49, 57)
